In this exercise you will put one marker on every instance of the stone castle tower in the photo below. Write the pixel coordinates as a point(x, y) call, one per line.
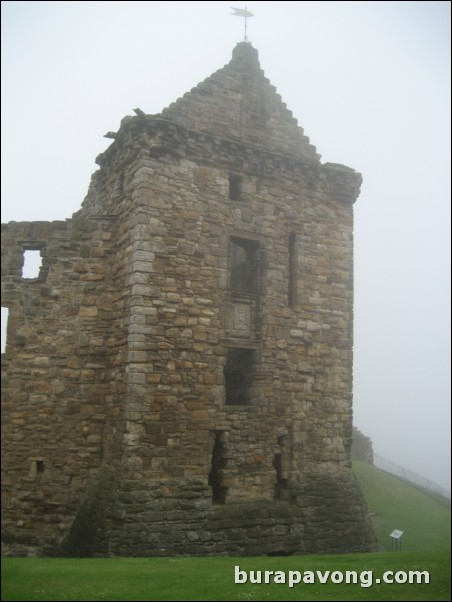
point(178, 377)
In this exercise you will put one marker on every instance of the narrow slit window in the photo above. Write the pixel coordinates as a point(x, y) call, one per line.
point(218, 464)
point(4, 335)
point(279, 464)
point(235, 187)
point(40, 466)
point(238, 375)
point(32, 263)
point(292, 289)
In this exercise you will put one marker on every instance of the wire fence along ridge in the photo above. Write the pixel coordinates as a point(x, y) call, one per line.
point(408, 475)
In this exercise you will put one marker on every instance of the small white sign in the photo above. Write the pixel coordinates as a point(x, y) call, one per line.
point(396, 534)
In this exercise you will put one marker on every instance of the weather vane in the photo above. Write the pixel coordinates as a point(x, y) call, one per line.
point(242, 12)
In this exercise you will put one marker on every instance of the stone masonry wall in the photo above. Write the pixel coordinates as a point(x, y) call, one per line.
point(57, 378)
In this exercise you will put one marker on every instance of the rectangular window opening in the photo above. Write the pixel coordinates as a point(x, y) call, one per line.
point(37, 467)
point(32, 263)
point(235, 187)
point(4, 333)
point(238, 376)
point(244, 258)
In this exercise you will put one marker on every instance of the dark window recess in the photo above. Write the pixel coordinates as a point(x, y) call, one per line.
point(279, 464)
point(244, 255)
point(235, 187)
point(119, 189)
point(216, 474)
point(238, 375)
point(32, 262)
point(40, 466)
point(292, 291)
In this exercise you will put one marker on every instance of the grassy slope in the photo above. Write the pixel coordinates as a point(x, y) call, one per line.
point(424, 520)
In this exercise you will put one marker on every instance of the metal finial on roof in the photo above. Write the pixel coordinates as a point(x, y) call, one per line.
point(242, 12)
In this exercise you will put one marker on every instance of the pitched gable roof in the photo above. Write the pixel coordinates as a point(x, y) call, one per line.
point(238, 102)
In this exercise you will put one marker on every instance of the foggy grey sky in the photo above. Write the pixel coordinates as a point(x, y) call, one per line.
point(370, 84)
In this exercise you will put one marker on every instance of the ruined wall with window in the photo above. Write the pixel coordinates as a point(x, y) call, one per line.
point(181, 370)
point(57, 372)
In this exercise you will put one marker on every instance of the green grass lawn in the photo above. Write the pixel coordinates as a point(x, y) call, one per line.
point(397, 505)
point(213, 578)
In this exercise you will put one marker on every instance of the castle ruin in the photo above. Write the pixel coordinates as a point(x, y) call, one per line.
point(178, 376)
